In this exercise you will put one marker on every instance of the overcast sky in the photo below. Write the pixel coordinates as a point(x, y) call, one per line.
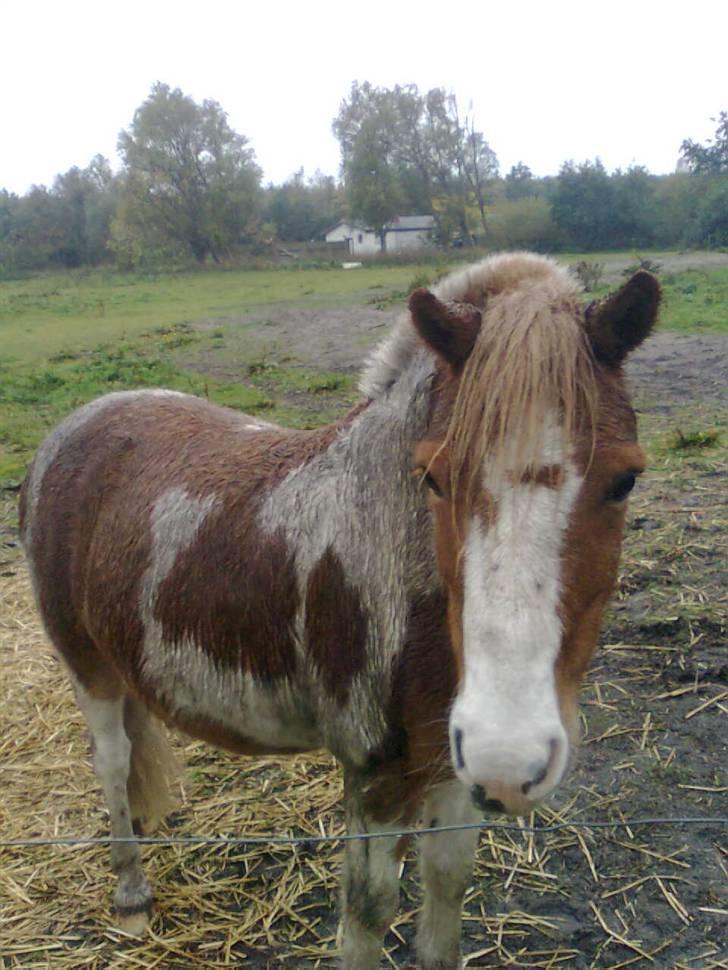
point(545, 81)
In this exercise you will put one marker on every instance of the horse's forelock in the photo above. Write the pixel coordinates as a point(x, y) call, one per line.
point(476, 284)
point(531, 368)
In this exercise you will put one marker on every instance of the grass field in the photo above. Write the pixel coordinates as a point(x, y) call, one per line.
point(66, 338)
point(51, 313)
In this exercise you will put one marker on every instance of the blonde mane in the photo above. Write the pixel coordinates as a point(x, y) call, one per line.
point(531, 365)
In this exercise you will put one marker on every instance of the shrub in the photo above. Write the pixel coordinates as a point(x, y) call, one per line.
point(521, 224)
point(588, 273)
point(643, 263)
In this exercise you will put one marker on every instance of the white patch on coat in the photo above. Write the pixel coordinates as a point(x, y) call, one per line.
point(111, 746)
point(507, 708)
point(359, 501)
point(182, 672)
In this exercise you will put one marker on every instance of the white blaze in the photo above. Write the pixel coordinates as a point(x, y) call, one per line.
point(507, 708)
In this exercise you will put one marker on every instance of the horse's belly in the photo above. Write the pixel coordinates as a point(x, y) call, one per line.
point(226, 706)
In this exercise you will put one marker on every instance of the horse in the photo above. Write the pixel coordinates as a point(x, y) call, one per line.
point(417, 587)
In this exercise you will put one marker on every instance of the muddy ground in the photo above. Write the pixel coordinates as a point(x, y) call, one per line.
point(655, 718)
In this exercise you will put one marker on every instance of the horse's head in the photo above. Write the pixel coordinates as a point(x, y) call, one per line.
point(530, 454)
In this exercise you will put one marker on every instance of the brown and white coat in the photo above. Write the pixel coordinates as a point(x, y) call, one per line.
point(271, 590)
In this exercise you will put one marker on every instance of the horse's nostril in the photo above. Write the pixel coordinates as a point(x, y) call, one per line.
point(536, 780)
point(477, 793)
point(459, 760)
point(485, 804)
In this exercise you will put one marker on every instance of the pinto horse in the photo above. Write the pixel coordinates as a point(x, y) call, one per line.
point(418, 587)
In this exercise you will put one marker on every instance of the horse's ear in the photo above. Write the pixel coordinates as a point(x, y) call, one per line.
point(621, 321)
point(449, 329)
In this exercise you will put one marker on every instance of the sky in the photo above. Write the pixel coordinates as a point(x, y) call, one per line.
point(625, 81)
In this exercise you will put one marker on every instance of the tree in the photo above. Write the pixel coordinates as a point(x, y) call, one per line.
point(67, 224)
point(459, 160)
point(480, 165)
point(190, 182)
point(405, 151)
point(713, 215)
point(301, 209)
point(86, 200)
point(366, 128)
point(32, 230)
point(633, 221)
point(677, 202)
point(708, 165)
point(524, 223)
point(519, 183)
point(711, 158)
point(582, 205)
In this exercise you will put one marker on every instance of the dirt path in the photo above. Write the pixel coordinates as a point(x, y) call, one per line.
point(677, 367)
point(671, 370)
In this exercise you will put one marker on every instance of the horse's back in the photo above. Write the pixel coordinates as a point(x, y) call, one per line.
point(127, 448)
point(139, 522)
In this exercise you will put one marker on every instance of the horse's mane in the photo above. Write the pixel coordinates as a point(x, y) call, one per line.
point(531, 364)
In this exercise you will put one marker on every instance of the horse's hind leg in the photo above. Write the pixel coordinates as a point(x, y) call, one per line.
point(112, 751)
point(446, 863)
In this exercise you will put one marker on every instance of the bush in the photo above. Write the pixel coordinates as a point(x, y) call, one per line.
point(521, 224)
point(645, 263)
point(588, 273)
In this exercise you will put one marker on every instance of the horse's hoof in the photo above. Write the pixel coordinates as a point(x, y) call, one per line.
point(134, 923)
point(146, 825)
point(133, 909)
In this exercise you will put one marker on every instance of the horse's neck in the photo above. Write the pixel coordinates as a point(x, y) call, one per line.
point(357, 501)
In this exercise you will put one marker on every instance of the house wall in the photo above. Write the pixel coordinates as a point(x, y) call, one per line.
point(397, 240)
point(363, 242)
point(340, 233)
point(360, 241)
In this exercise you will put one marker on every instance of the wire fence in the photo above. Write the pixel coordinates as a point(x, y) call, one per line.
point(310, 840)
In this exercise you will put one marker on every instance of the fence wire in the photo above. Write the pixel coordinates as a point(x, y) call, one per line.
point(311, 840)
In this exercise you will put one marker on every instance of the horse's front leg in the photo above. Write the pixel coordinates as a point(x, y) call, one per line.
point(370, 886)
point(446, 864)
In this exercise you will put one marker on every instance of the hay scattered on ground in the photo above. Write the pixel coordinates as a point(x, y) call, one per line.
point(655, 709)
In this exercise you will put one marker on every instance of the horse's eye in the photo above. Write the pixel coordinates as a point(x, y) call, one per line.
point(621, 487)
point(432, 484)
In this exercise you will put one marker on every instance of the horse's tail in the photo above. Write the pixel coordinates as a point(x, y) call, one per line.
point(153, 767)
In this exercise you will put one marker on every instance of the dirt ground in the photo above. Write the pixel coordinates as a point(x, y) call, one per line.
point(655, 718)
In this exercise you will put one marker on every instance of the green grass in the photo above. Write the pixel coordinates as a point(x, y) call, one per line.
point(36, 396)
point(55, 313)
point(693, 300)
point(696, 300)
point(66, 338)
point(693, 440)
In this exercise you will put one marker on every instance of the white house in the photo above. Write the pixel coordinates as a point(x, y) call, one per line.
point(404, 232)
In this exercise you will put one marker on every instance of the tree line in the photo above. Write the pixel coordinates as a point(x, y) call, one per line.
point(189, 189)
